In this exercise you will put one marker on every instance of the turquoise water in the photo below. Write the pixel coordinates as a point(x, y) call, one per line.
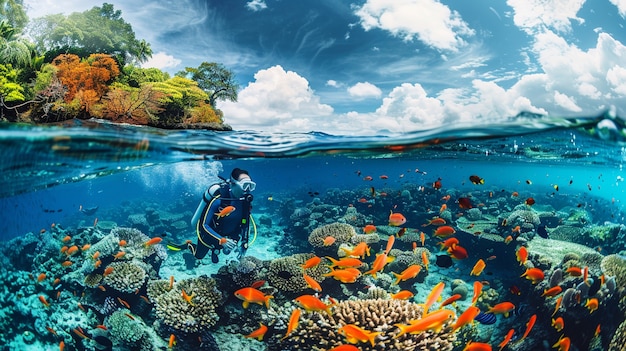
point(152, 181)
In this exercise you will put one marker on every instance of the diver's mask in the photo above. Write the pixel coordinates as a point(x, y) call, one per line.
point(245, 186)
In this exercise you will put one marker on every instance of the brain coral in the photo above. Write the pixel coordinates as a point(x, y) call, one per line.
point(199, 314)
point(126, 277)
point(124, 329)
point(286, 273)
point(615, 265)
point(374, 315)
point(523, 218)
point(340, 231)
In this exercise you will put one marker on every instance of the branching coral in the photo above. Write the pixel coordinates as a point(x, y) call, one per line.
point(319, 331)
point(340, 231)
point(196, 315)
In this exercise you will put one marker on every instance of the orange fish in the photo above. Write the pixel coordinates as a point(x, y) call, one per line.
point(379, 263)
point(344, 262)
point(464, 202)
point(390, 242)
point(553, 291)
point(502, 308)
point(450, 300)
point(63, 249)
point(437, 184)
point(66, 263)
point(410, 272)
point(425, 259)
point(592, 304)
point(61, 346)
point(312, 283)
point(356, 334)
point(466, 317)
point(225, 211)
point(293, 322)
point(563, 344)
point(586, 276)
point(85, 247)
point(402, 295)
point(558, 324)
point(360, 250)
point(535, 275)
point(508, 240)
point(119, 254)
point(396, 219)
point(122, 242)
point(97, 263)
point(530, 201)
point(345, 348)
point(56, 281)
point(448, 243)
point(95, 255)
point(311, 262)
point(514, 194)
point(529, 326)
point(311, 303)
point(72, 250)
point(444, 231)
point(52, 331)
point(259, 333)
point(66, 238)
point(557, 305)
point(188, 297)
point(152, 241)
point(435, 221)
point(458, 252)
point(41, 277)
point(522, 255)
point(329, 240)
point(348, 275)
point(478, 268)
point(171, 342)
point(370, 228)
point(443, 208)
point(124, 303)
point(506, 340)
point(43, 300)
point(433, 296)
point(422, 238)
point(252, 295)
point(574, 271)
point(171, 282)
point(597, 332)
point(433, 321)
point(107, 271)
point(477, 346)
point(517, 229)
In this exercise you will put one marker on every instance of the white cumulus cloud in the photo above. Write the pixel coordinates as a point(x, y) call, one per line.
point(621, 6)
point(533, 15)
point(363, 90)
point(256, 5)
point(276, 100)
point(161, 61)
point(429, 21)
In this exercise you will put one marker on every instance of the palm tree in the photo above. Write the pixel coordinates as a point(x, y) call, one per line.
point(13, 49)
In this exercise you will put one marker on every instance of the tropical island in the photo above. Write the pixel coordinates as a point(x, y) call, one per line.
point(88, 65)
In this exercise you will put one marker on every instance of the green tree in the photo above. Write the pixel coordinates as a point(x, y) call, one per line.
point(134, 76)
point(179, 96)
point(10, 90)
point(99, 30)
point(217, 81)
point(14, 49)
point(13, 12)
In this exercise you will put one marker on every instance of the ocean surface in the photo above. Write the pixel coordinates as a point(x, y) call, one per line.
point(85, 180)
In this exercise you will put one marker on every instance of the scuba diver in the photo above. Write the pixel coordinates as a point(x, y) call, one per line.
point(222, 218)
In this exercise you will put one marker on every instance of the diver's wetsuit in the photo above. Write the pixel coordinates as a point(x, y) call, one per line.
point(210, 229)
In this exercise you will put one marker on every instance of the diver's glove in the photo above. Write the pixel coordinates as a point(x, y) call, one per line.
point(228, 246)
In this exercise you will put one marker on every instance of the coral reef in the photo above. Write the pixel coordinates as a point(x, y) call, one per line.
point(342, 233)
point(286, 273)
point(319, 331)
point(193, 316)
point(126, 277)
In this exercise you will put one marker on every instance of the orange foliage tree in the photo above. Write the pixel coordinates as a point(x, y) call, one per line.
point(85, 80)
point(125, 104)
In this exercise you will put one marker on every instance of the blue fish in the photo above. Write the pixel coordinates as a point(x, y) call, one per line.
point(486, 318)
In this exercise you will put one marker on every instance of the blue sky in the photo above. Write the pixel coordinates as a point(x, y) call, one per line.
point(362, 67)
